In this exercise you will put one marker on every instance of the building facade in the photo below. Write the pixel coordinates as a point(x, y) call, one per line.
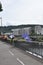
point(37, 30)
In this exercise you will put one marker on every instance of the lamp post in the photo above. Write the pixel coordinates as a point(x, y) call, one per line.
point(1, 21)
point(0, 12)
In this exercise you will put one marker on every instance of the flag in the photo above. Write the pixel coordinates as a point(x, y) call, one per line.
point(11, 36)
point(26, 37)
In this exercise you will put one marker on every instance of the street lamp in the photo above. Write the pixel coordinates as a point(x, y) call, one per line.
point(1, 11)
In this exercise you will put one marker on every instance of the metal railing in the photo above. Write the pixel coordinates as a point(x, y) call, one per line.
point(36, 48)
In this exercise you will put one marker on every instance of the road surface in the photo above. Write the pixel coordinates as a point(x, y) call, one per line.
point(13, 56)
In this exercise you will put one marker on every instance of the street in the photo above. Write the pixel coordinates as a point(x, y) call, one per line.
point(13, 56)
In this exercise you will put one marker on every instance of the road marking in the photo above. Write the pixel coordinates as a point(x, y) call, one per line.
point(20, 61)
point(28, 52)
point(39, 56)
point(34, 54)
point(11, 53)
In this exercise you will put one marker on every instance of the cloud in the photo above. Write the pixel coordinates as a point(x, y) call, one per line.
point(22, 11)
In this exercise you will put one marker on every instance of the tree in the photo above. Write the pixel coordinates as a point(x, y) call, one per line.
point(1, 7)
point(32, 31)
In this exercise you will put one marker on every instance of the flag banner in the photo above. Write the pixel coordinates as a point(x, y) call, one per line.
point(26, 37)
point(11, 36)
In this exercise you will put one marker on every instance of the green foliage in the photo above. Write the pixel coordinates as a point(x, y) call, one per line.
point(0, 7)
point(40, 39)
point(32, 31)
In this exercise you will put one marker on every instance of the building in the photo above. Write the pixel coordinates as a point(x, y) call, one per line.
point(21, 31)
point(35, 29)
point(38, 29)
point(41, 31)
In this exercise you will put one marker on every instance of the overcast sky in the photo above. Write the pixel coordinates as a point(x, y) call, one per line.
point(16, 12)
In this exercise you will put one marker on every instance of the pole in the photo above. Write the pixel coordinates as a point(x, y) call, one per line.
point(1, 21)
point(1, 24)
point(1, 17)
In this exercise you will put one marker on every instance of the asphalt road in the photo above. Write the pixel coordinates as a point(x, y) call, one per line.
point(13, 56)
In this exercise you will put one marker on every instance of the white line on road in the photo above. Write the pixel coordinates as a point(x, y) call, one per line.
point(11, 53)
point(34, 54)
point(20, 61)
point(28, 52)
point(39, 56)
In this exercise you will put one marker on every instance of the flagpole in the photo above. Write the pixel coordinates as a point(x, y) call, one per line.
point(1, 11)
point(1, 21)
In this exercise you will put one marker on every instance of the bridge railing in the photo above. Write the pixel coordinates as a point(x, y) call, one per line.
point(34, 47)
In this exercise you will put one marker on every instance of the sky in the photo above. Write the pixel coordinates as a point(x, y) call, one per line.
point(19, 12)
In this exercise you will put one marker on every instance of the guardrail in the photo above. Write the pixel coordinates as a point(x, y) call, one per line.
point(34, 47)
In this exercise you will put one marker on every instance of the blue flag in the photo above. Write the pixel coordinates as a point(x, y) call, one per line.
point(26, 36)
